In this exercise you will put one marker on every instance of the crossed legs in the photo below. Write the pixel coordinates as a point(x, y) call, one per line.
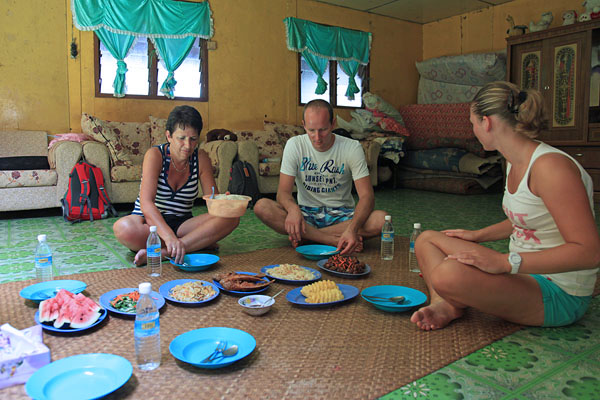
point(273, 215)
point(200, 232)
point(453, 286)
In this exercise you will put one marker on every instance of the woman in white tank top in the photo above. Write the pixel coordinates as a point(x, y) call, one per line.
point(548, 276)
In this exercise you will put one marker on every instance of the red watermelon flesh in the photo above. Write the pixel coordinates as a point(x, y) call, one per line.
point(67, 309)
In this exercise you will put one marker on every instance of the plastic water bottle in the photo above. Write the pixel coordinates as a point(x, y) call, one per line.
point(146, 330)
point(387, 239)
point(43, 260)
point(413, 266)
point(153, 252)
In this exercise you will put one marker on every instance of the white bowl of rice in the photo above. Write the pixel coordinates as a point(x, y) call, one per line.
point(227, 205)
point(256, 304)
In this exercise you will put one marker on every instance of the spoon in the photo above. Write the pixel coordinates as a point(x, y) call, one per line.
point(395, 299)
point(228, 352)
point(183, 263)
point(328, 253)
point(266, 301)
point(212, 196)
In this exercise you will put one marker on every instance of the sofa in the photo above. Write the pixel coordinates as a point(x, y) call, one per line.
point(442, 153)
point(31, 177)
point(118, 150)
point(263, 149)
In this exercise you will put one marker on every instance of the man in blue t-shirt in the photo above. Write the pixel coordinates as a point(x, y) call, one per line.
point(323, 166)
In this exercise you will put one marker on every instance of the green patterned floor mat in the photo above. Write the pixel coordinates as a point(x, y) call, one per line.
point(535, 363)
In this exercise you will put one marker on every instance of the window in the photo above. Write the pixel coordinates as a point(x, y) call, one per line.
point(335, 94)
point(145, 74)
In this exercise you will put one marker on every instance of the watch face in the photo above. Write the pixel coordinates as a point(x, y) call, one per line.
point(515, 258)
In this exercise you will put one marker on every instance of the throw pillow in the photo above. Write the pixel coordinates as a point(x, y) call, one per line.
point(158, 126)
point(267, 143)
point(102, 132)
point(391, 119)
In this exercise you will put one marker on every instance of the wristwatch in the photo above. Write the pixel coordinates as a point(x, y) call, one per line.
point(514, 259)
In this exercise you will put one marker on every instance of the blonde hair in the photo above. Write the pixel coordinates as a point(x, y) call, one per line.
point(522, 110)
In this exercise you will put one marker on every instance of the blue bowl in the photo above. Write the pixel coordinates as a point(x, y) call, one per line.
point(197, 262)
point(315, 251)
point(413, 297)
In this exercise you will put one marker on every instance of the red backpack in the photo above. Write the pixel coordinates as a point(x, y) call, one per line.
point(86, 198)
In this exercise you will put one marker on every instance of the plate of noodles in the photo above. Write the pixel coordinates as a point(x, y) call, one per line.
point(291, 273)
point(189, 291)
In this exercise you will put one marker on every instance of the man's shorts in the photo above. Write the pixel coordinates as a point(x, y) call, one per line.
point(320, 217)
point(175, 221)
point(560, 308)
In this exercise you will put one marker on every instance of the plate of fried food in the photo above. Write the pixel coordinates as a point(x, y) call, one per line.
point(291, 273)
point(241, 282)
point(344, 266)
point(321, 294)
point(189, 291)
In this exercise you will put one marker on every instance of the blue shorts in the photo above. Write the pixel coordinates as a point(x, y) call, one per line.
point(320, 217)
point(560, 308)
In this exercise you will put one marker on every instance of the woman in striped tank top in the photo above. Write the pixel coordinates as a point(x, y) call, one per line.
point(170, 176)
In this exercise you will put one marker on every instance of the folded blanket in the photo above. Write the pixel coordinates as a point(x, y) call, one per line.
point(450, 159)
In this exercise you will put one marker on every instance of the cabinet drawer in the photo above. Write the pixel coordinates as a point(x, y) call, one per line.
point(588, 157)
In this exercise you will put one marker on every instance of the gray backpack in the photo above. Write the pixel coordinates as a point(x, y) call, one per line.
point(242, 180)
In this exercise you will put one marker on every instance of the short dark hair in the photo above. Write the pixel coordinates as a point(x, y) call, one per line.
point(183, 117)
point(318, 103)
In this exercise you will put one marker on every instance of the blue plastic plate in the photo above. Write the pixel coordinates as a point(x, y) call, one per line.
point(197, 262)
point(107, 297)
point(413, 297)
point(84, 376)
point(165, 290)
point(321, 264)
point(217, 284)
point(194, 346)
point(45, 290)
point(294, 296)
point(316, 274)
point(315, 251)
point(103, 314)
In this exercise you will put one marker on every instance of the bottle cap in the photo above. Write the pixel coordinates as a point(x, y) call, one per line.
point(153, 228)
point(388, 217)
point(417, 225)
point(42, 237)
point(145, 288)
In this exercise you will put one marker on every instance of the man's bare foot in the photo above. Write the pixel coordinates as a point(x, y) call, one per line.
point(436, 315)
point(140, 258)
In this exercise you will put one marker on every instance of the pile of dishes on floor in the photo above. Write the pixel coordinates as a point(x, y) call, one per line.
point(64, 308)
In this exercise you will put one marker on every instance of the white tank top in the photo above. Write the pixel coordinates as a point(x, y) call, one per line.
point(534, 228)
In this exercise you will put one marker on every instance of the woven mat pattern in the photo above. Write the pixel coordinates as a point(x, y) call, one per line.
point(351, 351)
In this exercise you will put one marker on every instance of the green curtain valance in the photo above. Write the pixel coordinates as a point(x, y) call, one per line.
point(318, 43)
point(152, 18)
point(172, 26)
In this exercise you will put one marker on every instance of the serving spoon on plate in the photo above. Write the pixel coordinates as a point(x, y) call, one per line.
point(262, 304)
point(394, 299)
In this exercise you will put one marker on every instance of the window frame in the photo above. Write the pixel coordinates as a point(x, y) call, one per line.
point(363, 71)
point(153, 86)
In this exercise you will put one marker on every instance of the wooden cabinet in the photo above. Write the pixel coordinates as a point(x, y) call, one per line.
point(563, 63)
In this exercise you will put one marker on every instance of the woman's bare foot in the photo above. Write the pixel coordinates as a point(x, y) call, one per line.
point(436, 315)
point(140, 258)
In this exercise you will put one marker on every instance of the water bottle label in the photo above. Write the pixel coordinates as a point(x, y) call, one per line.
point(387, 236)
point(153, 251)
point(43, 261)
point(147, 328)
point(148, 325)
point(412, 247)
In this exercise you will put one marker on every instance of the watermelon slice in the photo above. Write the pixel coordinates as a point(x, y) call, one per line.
point(67, 309)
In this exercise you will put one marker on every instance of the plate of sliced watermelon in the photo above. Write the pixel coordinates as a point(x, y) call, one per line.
point(119, 301)
point(68, 312)
point(45, 290)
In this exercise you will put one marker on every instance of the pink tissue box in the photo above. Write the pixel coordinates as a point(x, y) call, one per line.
point(16, 369)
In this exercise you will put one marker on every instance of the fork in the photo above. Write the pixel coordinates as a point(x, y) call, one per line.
point(222, 345)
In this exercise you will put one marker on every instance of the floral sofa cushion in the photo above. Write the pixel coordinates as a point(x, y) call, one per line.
point(126, 141)
point(158, 127)
point(28, 178)
point(270, 150)
point(126, 173)
point(283, 131)
point(212, 148)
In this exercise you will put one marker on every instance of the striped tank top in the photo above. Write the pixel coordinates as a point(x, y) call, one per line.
point(167, 200)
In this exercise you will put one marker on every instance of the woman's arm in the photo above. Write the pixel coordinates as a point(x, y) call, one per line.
point(205, 174)
point(499, 231)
